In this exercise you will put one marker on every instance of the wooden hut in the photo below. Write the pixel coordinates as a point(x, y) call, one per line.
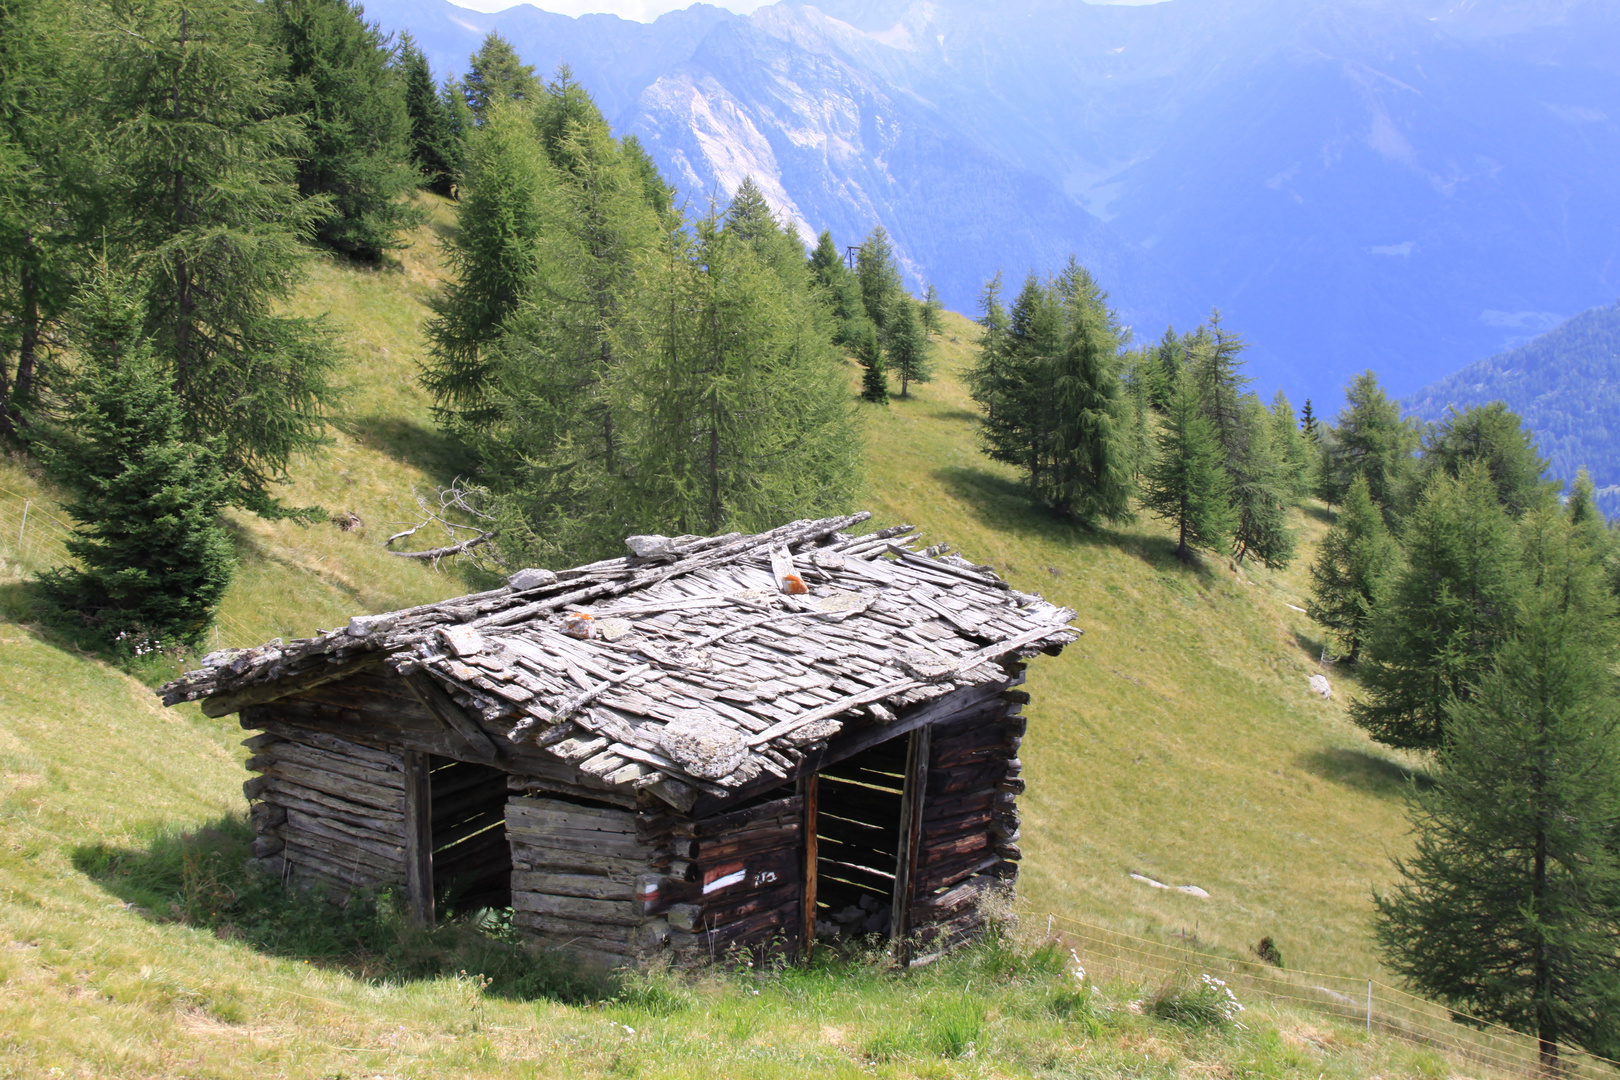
point(713, 742)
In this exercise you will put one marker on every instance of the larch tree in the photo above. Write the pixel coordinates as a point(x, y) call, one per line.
point(495, 73)
point(840, 292)
point(1369, 438)
point(1292, 448)
point(506, 188)
point(1444, 614)
point(46, 215)
point(1510, 904)
point(879, 276)
point(874, 373)
point(1187, 484)
point(204, 202)
point(932, 312)
point(1495, 437)
point(1352, 563)
point(906, 350)
point(340, 78)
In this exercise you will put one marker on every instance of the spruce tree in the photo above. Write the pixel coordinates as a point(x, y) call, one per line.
point(1496, 437)
point(874, 373)
point(840, 292)
point(907, 348)
point(506, 188)
point(1370, 439)
point(751, 218)
point(1352, 564)
point(203, 199)
point(1187, 485)
point(1171, 357)
point(1444, 613)
point(1307, 422)
point(495, 74)
point(155, 557)
point(340, 78)
point(435, 144)
point(1510, 907)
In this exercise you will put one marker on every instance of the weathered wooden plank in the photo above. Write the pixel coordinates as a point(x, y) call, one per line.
point(417, 836)
point(809, 854)
point(911, 813)
point(433, 698)
point(327, 761)
point(716, 824)
point(286, 793)
point(588, 886)
point(885, 860)
point(342, 787)
point(217, 705)
point(611, 912)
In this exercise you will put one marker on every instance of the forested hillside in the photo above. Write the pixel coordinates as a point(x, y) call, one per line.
point(1566, 385)
point(293, 334)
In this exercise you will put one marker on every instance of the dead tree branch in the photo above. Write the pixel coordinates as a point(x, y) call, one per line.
point(457, 500)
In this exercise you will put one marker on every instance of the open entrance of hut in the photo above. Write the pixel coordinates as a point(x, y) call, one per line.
point(859, 828)
point(460, 843)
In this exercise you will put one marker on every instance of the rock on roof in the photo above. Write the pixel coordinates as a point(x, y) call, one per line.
point(693, 662)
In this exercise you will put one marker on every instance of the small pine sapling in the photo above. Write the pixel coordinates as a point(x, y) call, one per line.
point(874, 373)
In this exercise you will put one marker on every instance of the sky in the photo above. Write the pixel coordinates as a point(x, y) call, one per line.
point(648, 10)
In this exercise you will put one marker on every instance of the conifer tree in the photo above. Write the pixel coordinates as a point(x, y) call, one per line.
point(840, 292)
point(1510, 907)
point(1292, 448)
point(751, 219)
point(1496, 437)
point(1444, 613)
point(1352, 564)
point(1261, 490)
point(340, 78)
point(506, 188)
point(495, 74)
point(1088, 473)
point(1170, 358)
point(1139, 378)
point(874, 373)
point(1307, 422)
point(907, 348)
point(1187, 485)
point(1371, 439)
point(435, 143)
point(1214, 360)
point(202, 196)
point(658, 192)
point(154, 556)
point(45, 216)
point(932, 313)
point(879, 275)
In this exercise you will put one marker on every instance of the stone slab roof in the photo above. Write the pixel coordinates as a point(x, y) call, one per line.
point(692, 662)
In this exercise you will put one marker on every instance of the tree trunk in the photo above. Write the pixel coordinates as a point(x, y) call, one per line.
point(27, 354)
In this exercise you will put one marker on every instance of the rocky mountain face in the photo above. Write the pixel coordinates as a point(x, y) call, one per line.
point(1398, 184)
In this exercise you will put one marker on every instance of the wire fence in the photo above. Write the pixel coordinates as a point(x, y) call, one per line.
point(1379, 1008)
point(33, 539)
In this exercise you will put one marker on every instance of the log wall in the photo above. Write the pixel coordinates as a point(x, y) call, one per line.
point(327, 812)
point(969, 837)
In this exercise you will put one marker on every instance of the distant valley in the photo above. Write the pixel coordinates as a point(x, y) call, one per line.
point(1407, 186)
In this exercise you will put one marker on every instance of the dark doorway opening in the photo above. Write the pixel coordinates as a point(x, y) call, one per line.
point(472, 861)
point(858, 811)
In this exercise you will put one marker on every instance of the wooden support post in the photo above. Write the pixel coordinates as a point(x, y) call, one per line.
point(809, 787)
point(418, 838)
point(911, 812)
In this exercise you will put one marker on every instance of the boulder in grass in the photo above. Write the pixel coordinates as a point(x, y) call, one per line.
point(1320, 685)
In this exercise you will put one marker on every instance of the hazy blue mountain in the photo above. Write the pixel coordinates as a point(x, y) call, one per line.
point(1400, 184)
point(1566, 386)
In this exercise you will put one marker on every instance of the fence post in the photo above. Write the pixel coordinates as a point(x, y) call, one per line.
point(23, 527)
point(1369, 1005)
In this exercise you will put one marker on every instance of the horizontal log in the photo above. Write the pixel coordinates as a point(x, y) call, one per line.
point(589, 886)
point(611, 912)
point(761, 927)
point(267, 845)
point(968, 757)
point(351, 871)
point(715, 915)
point(952, 847)
point(777, 835)
point(290, 796)
point(948, 872)
point(556, 841)
point(258, 742)
point(965, 779)
point(343, 850)
point(342, 787)
point(557, 924)
point(592, 951)
point(558, 814)
point(385, 843)
point(976, 820)
point(327, 761)
point(962, 803)
point(300, 728)
point(791, 807)
point(540, 860)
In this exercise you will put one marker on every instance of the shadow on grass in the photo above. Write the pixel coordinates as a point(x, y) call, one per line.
point(202, 879)
point(408, 442)
point(1363, 771)
point(30, 605)
point(1319, 512)
point(962, 416)
point(1005, 504)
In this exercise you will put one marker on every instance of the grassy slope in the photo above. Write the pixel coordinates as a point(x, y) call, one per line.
point(1177, 738)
